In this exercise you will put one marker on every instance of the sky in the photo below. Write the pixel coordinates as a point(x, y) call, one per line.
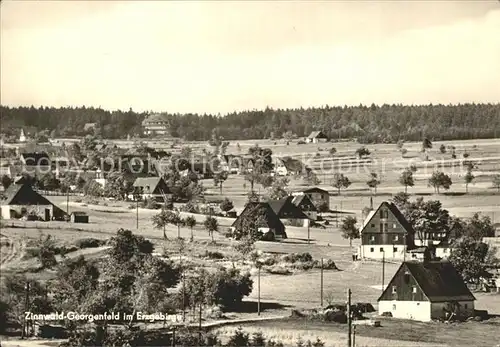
point(224, 56)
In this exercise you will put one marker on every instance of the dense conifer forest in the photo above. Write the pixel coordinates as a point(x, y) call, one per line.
point(369, 124)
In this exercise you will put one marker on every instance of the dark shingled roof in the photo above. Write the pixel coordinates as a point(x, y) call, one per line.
point(314, 190)
point(299, 199)
point(150, 182)
point(439, 280)
point(23, 194)
point(254, 209)
point(317, 134)
point(36, 158)
point(284, 208)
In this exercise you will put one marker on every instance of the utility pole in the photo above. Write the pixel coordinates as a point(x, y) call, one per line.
point(383, 270)
point(137, 213)
point(308, 232)
point(67, 204)
point(321, 292)
point(349, 322)
point(354, 336)
point(258, 290)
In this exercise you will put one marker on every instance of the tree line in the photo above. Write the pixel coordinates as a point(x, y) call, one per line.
point(369, 124)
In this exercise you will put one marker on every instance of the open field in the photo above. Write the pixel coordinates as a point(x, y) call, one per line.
point(280, 293)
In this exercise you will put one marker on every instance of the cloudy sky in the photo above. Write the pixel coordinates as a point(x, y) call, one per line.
point(226, 55)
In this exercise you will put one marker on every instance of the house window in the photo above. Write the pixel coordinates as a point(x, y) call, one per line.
point(394, 226)
point(383, 227)
point(373, 225)
point(372, 238)
point(384, 214)
point(414, 289)
point(465, 306)
point(371, 249)
point(394, 307)
point(381, 249)
point(396, 238)
point(407, 278)
point(395, 249)
point(394, 290)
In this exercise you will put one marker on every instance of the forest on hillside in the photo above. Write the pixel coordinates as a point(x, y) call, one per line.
point(369, 124)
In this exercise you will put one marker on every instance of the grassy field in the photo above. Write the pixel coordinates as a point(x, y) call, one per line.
point(280, 293)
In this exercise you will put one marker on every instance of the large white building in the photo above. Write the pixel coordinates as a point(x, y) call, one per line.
point(427, 290)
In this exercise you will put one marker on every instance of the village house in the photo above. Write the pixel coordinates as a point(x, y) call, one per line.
point(156, 124)
point(286, 210)
point(150, 188)
point(306, 205)
point(23, 201)
point(288, 166)
point(317, 195)
point(79, 217)
point(427, 290)
point(22, 136)
point(385, 233)
point(263, 214)
point(316, 137)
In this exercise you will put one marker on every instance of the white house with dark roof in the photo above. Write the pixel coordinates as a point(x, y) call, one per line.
point(427, 290)
point(385, 233)
point(316, 137)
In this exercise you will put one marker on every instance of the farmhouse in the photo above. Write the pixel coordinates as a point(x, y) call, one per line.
point(156, 124)
point(263, 215)
point(425, 291)
point(285, 209)
point(288, 166)
point(22, 201)
point(317, 195)
point(306, 205)
point(385, 234)
point(316, 137)
point(151, 188)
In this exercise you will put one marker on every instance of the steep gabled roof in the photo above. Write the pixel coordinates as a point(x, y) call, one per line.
point(438, 280)
point(397, 214)
point(256, 209)
point(23, 194)
point(284, 208)
point(151, 182)
point(317, 134)
point(304, 199)
point(292, 164)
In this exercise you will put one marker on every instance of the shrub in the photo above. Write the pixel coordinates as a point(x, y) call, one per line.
point(278, 270)
point(301, 142)
point(268, 236)
point(89, 243)
point(297, 257)
point(214, 255)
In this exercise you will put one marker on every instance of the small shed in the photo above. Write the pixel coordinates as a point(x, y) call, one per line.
point(79, 217)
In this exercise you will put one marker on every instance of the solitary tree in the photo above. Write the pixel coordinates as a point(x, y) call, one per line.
point(165, 217)
point(440, 180)
point(212, 225)
point(406, 179)
point(349, 229)
point(473, 258)
point(6, 181)
point(442, 149)
point(468, 178)
point(220, 178)
point(373, 182)
point(332, 151)
point(426, 144)
point(362, 152)
point(190, 222)
point(496, 182)
point(278, 189)
point(340, 181)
